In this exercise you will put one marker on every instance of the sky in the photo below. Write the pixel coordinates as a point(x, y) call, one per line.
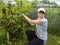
point(53, 0)
point(57, 1)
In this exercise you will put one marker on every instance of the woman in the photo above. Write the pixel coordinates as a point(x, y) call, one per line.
point(41, 26)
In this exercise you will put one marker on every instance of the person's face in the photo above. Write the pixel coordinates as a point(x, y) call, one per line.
point(40, 14)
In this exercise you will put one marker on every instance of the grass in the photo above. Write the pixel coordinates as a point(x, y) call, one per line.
point(52, 39)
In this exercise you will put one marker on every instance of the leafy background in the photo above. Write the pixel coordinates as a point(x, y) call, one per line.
point(13, 24)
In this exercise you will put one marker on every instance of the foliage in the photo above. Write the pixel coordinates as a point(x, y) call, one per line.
point(11, 21)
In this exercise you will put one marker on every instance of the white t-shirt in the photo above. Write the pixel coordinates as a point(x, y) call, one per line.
point(42, 29)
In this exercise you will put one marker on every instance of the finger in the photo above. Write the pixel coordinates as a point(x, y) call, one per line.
point(22, 14)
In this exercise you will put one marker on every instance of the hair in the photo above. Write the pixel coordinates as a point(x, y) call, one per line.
point(41, 12)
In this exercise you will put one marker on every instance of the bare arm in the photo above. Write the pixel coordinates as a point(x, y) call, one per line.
point(32, 22)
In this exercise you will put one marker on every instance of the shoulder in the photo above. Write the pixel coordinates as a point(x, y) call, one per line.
point(44, 20)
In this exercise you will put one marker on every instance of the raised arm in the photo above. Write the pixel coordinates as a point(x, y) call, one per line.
point(32, 22)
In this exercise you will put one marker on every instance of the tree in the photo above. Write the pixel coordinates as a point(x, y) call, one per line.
point(48, 2)
point(14, 23)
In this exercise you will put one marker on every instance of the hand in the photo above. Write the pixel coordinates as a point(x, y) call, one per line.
point(23, 15)
point(38, 34)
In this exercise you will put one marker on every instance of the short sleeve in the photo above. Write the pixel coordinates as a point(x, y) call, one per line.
point(45, 22)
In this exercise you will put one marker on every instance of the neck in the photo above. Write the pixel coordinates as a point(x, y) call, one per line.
point(40, 17)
